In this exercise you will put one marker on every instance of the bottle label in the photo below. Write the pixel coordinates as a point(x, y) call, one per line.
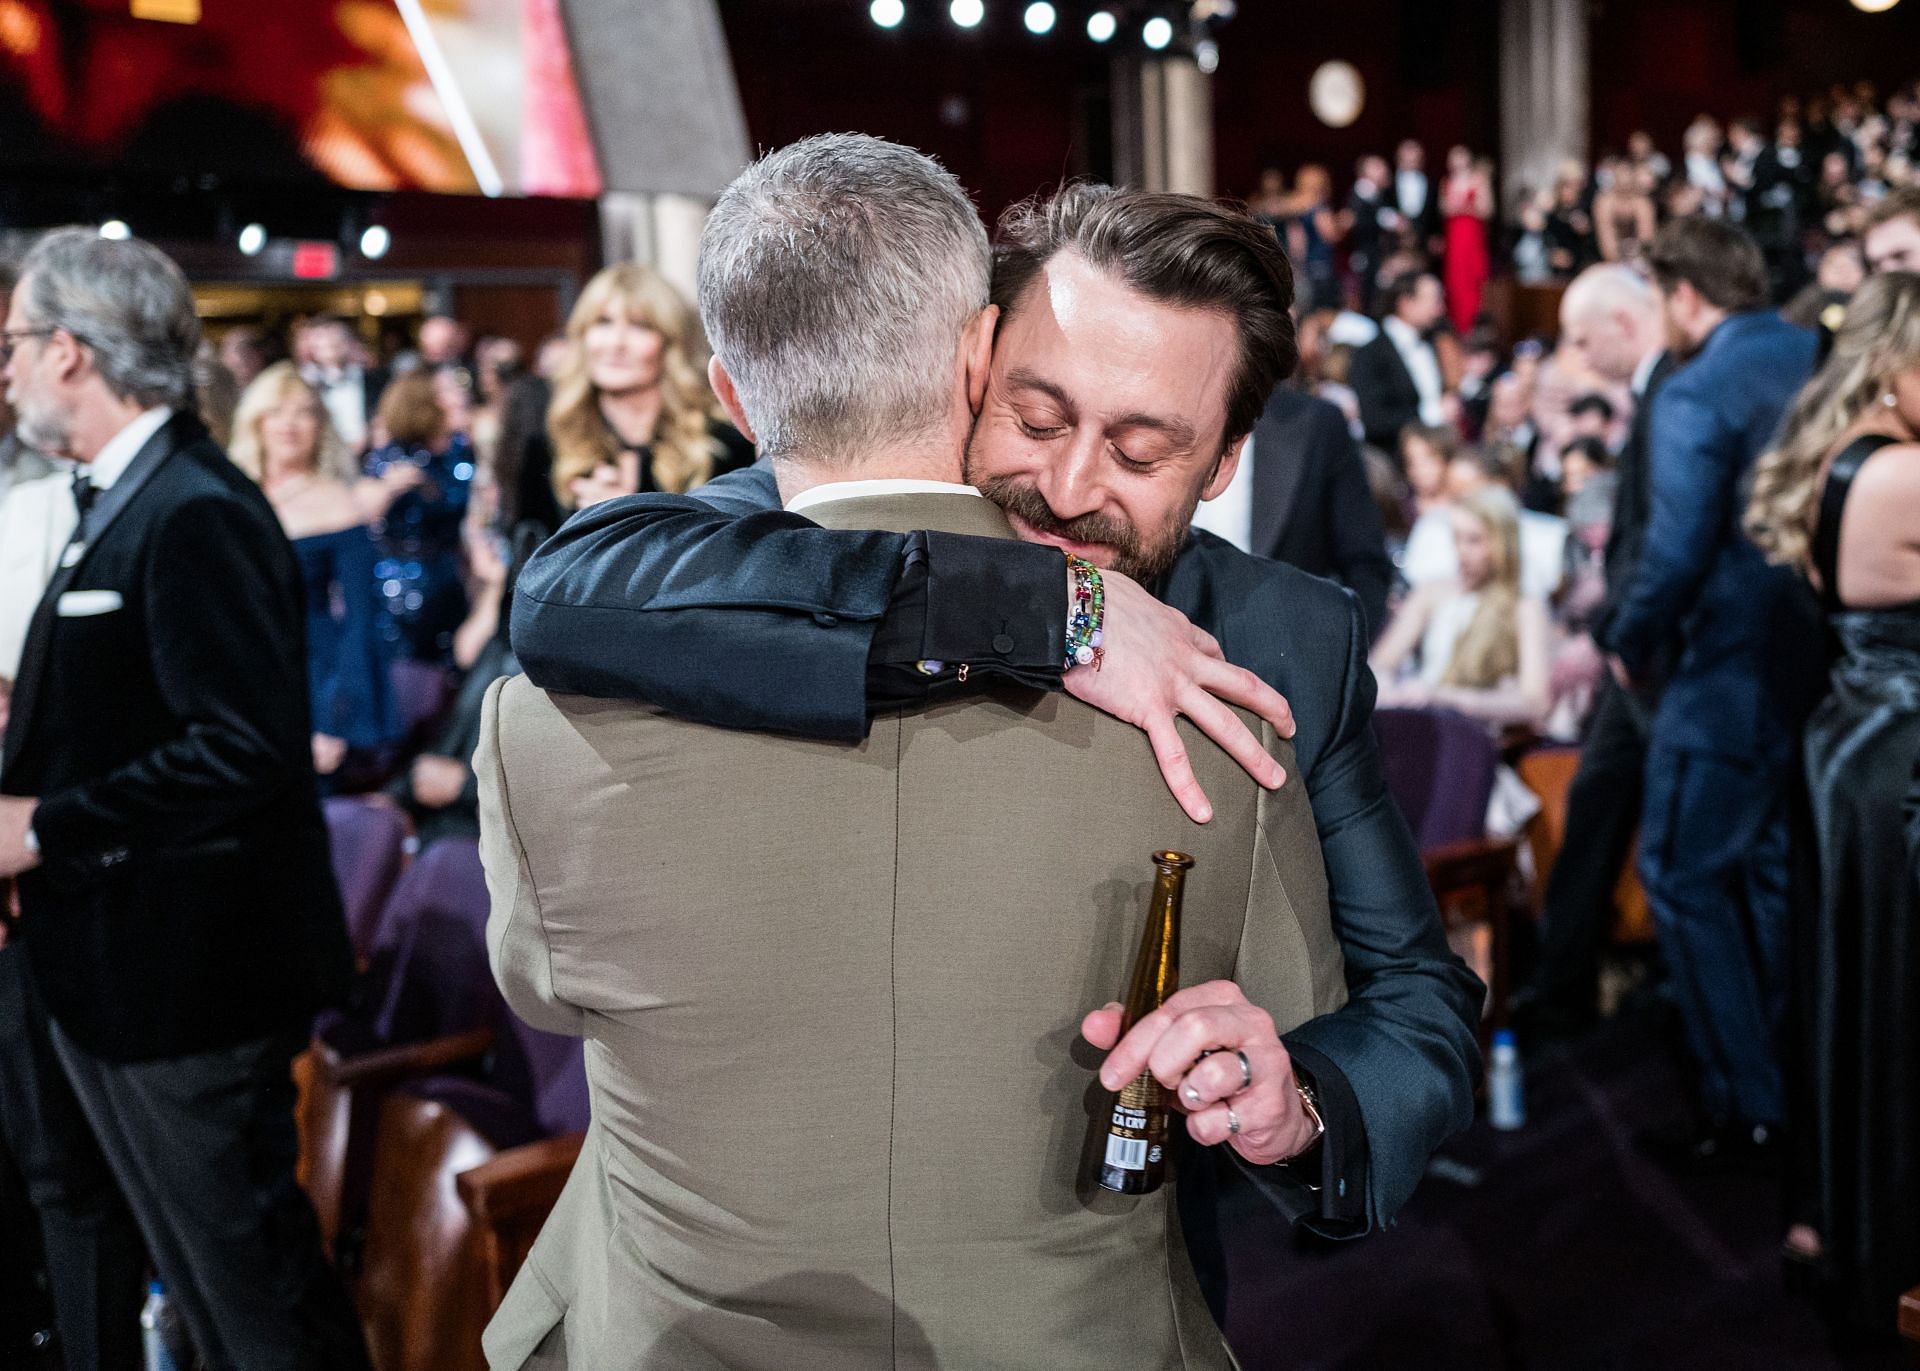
point(1129, 1154)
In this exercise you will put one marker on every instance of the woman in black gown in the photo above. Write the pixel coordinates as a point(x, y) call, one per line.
point(1840, 497)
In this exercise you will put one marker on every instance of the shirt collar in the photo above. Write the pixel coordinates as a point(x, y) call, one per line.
point(1401, 332)
point(118, 454)
point(1643, 373)
point(861, 490)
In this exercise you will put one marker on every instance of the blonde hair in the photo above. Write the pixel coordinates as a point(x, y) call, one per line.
point(683, 448)
point(330, 456)
point(1880, 337)
point(1488, 651)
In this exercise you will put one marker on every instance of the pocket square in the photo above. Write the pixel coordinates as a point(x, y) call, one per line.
point(82, 604)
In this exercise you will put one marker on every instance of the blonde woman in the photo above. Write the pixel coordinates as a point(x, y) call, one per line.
point(1473, 642)
point(284, 440)
point(631, 410)
point(1839, 498)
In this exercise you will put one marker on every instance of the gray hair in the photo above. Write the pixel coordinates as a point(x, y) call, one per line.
point(1610, 285)
point(836, 276)
point(127, 302)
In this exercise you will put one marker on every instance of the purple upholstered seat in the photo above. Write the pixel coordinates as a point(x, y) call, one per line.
point(368, 841)
point(422, 691)
point(1440, 767)
point(430, 967)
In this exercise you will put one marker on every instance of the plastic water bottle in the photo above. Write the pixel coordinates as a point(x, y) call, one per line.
point(1506, 1092)
point(159, 1330)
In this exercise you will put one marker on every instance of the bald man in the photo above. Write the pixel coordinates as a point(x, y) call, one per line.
point(1611, 315)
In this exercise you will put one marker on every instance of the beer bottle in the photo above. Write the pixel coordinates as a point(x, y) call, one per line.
point(1134, 1160)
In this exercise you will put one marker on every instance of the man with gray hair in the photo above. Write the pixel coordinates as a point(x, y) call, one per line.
point(158, 806)
point(831, 990)
point(1611, 316)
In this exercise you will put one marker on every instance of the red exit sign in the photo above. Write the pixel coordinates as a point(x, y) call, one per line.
point(316, 261)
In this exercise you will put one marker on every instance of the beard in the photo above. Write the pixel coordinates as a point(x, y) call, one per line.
point(41, 427)
point(1142, 557)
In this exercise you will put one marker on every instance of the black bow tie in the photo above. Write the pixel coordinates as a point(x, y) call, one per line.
point(85, 492)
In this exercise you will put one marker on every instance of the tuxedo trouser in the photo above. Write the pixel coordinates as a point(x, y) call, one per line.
point(204, 1146)
point(1603, 814)
point(1714, 857)
point(94, 1259)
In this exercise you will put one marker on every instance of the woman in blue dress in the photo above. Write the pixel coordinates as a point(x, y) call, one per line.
point(283, 439)
point(415, 493)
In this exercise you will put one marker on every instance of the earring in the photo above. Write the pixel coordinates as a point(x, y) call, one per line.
point(1889, 400)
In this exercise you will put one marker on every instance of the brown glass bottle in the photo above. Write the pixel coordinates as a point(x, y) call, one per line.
point(1133, 1159)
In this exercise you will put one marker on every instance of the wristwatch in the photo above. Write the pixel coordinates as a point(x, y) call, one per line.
point(1311, 1104)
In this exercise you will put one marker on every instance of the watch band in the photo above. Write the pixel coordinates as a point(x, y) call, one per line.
point(1312, 1105)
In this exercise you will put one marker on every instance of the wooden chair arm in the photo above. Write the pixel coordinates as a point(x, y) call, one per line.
point(1910, 1319)
point(1472, 861)
point(391, 1064)
point(508, 1199)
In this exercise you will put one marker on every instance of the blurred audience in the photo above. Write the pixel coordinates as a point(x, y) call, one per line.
point(415, 492)
point(285, 441)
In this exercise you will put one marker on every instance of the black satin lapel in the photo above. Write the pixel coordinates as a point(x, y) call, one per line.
point(1279, 466)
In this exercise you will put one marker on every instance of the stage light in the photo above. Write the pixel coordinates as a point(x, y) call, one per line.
point(375, 242)
point(1206, 56)
point(1040, 17)
point(1101, 26)
point(967, 13)
point(116, 229)
point(1875, 6)
point(1156, 33)
point(887, 13)
point(253, 238)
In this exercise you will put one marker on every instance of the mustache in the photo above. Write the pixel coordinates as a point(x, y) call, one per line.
point(1032, 509)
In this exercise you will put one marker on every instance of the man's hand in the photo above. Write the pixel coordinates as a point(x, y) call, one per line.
point(438, 781)
point(1156, 666)
point(16, 817)
point(1214, 1018)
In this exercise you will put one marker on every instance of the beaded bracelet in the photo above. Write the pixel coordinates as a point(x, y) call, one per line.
point(1086, 624)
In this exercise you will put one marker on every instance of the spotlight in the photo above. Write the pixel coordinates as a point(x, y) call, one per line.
point(887, 13)
point(1206, 56)
point(252, 238)
point(1101, 26)
point(967, 13)
point(1875, 6)
point(1156, 33)
point(375, 242)
point(1040, 17)
point(116, 229)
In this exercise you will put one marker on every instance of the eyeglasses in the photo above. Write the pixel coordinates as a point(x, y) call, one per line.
point(9, 339)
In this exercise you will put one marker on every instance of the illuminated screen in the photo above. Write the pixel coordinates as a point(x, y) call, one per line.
point(462, 96)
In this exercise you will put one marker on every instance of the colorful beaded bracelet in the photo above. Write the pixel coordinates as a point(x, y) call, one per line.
point(1086, 624)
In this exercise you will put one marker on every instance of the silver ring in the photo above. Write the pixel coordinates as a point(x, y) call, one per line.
point(1193, 1095)
point(1233, 1122)
point(1246, 1071)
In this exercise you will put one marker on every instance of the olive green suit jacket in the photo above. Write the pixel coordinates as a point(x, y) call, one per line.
point(831, 994)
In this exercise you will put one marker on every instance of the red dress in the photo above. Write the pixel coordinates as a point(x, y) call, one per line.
point(1466, 272)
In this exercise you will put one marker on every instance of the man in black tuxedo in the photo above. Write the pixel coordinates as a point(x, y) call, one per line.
point(1300, 496)
point(801, 629)
point(1371, 220)
point(350, 392)
point(1414, 196)
point(1611, 316)
point(158, 806)
point(1396, 377)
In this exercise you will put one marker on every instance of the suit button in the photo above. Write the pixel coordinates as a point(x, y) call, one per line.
point(826, 620)
point(1002, 644)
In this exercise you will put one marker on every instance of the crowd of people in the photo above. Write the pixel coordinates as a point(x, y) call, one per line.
point(1641, 534)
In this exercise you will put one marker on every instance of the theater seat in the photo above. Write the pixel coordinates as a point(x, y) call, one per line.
point(465, 1173)
point(1548, 773)
point(368, 837)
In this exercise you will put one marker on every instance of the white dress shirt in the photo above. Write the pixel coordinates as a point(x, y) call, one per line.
point(1229, 514)
point(113, 459)
point(1423, 364)
point(345, 396)
point(1410, 188)
point(863, 490)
